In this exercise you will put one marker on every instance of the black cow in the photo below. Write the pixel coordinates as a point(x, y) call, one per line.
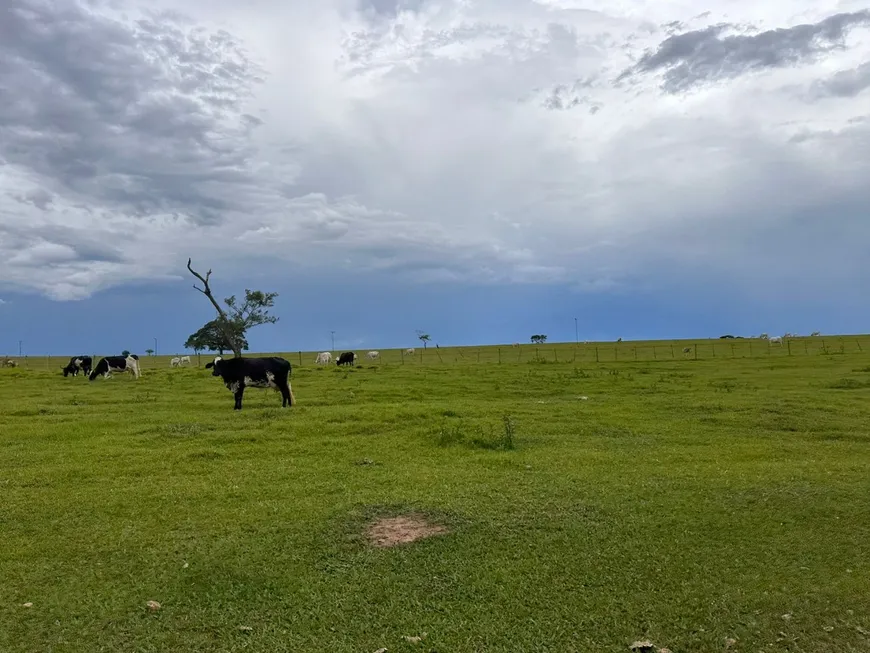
point(77, 363)
point(111, 364)
point(347, 358)
point(240, 373)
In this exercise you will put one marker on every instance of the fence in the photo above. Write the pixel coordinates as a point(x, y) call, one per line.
point(647, 351)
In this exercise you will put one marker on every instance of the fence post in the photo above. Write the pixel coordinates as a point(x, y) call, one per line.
point(596, 354)
point(807, 349)
point(635, 353)
point(732, 350)
point(672, 351)
point(750, 349)
point(788, 342)
point(499, 355)
point(655, 356)
point(300, 359)
point(537, 355)
point(555, 356)
point(696, 350)
point(858, 342)
point(575, 355)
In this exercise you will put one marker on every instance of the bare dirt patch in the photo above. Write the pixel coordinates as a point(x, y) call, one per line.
point(401, 529)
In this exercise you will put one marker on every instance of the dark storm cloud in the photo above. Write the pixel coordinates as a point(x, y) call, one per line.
point(83, 246)
point(144, 116)
point(699, 56)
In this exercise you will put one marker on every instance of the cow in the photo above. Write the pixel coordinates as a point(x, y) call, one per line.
point(775, 340)
point(110, 364)
point(175, 362)
point(240, 373)
point(76, 364)
point(184, 359)
point(373, 355)
point(10, 363)
point(323, 358)
point(410, 351)
point(346, 358)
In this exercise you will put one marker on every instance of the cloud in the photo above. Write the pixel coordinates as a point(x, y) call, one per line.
point(706, 55)
point(439, 141)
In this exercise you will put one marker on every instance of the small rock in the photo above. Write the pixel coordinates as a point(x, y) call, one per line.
point(786, 616)
point(27, 605)
point(828, 629)
point(185, 566)
point(245, 629)
point(154, 606)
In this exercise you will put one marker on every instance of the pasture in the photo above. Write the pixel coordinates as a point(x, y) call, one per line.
point(588, 500)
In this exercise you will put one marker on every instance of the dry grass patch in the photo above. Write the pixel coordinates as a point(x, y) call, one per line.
point(401, 529)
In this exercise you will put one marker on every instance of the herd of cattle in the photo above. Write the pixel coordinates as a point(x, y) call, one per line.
point(236, 373)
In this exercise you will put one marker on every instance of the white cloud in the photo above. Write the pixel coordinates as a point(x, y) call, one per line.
point(490, 141)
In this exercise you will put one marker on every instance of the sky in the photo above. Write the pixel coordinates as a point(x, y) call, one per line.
point(478, 170)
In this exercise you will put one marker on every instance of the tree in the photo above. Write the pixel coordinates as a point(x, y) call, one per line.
point(125, 353)
point(211, 337)
point(423, 337)
point(235, 321)
point(150, 352)
point(539, 339)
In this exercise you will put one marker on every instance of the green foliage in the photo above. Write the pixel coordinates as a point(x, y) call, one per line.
point(211, 337)
point(125, 353)
point(539, 339)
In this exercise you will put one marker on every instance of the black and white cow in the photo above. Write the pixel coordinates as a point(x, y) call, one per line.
point(347, 358)
point(111, 364)
point(76, 364)
point(268, 372)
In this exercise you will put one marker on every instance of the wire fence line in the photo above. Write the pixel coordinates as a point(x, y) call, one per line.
point(620, 352)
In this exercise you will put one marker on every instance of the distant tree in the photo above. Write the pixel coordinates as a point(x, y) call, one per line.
point(539, 339)
point(235, 321)
point(211, 337)
point(150, 352)
point(423, 337)
point(125, 353)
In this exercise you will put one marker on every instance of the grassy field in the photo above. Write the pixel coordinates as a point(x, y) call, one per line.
point(709, 504)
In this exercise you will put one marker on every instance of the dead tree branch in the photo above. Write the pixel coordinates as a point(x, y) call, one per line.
point(223, 322)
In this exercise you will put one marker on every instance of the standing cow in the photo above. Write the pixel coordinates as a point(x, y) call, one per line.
point(111, 364)
point(346, 358)
point(77, 364)
point(323, 358)
point(372, 355)
point(240, 373)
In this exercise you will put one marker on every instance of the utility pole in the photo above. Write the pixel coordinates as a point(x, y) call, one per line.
point(332, 333)
point(155, 346)
point(576, 332)
point(20, 342)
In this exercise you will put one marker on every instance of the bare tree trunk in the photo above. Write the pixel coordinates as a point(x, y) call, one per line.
point(222, 321)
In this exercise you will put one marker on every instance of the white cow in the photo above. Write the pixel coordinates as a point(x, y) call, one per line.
point(410, 351)
point(323, 358)
point(184, 359)
point(373, 355)
point(775, 340)
point(175, 362)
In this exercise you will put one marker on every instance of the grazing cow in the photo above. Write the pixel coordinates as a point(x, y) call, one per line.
point(240, 373)
point(175, 362)
point(76, 364)
point(516, 344)
point(185, 359)
point(776, 340)
point(111, 364)
point(10, 363)
point(373, 355)
point(410, 351)
point(323, 358)
point(346, 358)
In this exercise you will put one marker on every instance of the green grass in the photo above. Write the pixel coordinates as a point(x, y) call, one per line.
point(685, 501)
